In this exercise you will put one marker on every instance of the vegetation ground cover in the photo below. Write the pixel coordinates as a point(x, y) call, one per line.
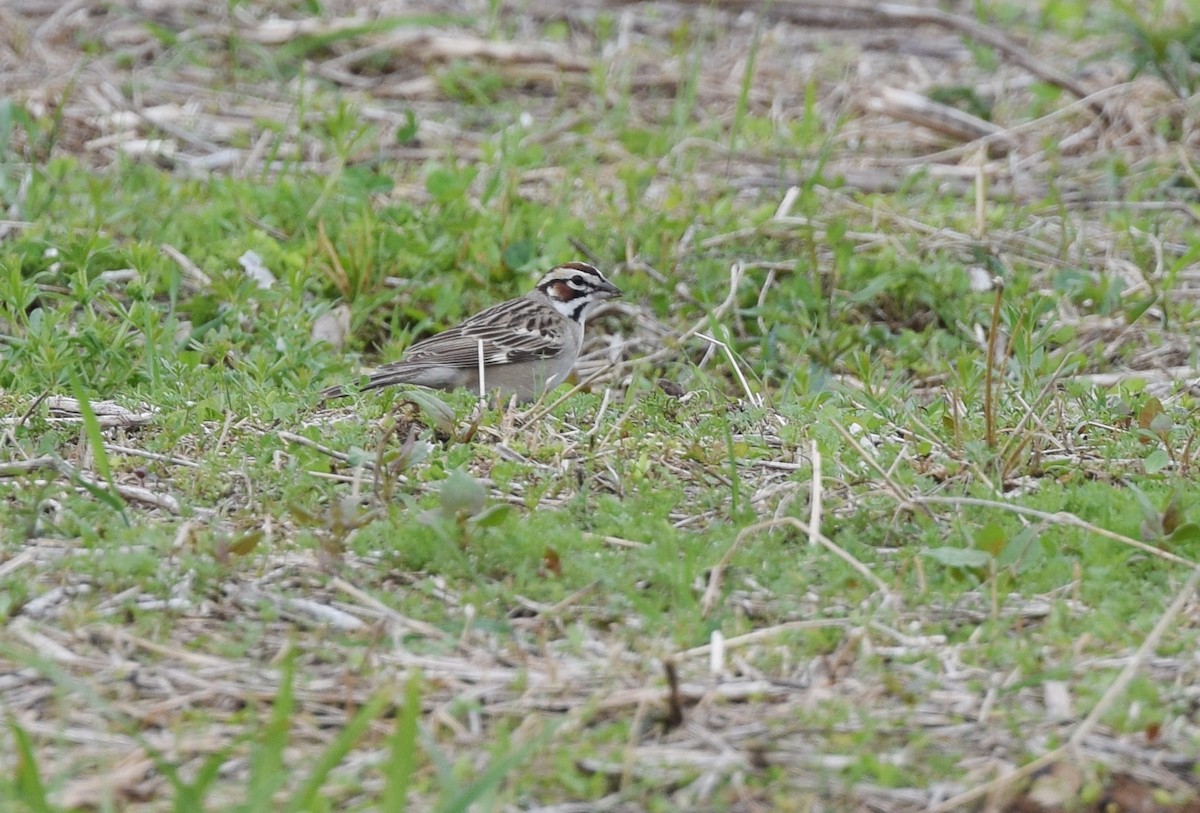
point(876, 490)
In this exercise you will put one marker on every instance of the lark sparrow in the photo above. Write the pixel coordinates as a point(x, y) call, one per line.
point(529, 344)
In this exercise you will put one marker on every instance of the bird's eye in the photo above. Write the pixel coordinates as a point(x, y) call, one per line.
point(579, 281)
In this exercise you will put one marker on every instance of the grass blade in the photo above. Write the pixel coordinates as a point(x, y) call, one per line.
point(491, 778)
point(743, 99)
point(95, 437)
point(336, 752)
point(266, 763)
point(29, 787)
point(402, 759)
point(91, 428)
point(189, 796)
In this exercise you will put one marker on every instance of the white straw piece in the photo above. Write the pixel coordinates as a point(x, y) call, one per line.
point(482, 383)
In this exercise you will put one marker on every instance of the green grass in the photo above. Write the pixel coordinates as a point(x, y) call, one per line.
point(457, 607)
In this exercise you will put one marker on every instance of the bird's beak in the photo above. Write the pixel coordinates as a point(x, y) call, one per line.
point(609, 291)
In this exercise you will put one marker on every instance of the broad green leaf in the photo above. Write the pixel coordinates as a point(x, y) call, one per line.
point(1156, 461)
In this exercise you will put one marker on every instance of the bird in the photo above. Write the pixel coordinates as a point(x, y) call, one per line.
point(529, 344)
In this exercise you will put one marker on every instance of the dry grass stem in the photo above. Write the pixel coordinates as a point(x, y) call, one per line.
point(713, 589)
point(1117, 688)
point(1059, 518)
point(814, 514)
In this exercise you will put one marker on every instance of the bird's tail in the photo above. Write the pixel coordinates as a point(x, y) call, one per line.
point(329, 393)
point(426, 375)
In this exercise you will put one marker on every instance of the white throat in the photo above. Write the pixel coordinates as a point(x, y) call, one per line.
point(576, 309)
